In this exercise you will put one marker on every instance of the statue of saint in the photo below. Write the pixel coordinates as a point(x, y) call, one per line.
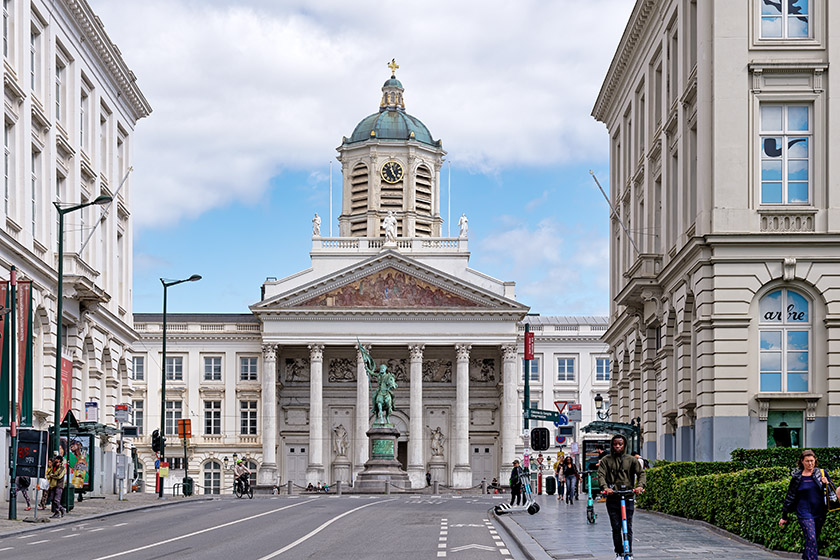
point(437, 442)
point(462, 223)
point(340, 443)
point(390, 226)
point(383, 396)
point(316, 226)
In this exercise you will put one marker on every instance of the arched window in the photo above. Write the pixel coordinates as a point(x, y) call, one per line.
point(213, 477)
point(252, 466)
point(785, 341)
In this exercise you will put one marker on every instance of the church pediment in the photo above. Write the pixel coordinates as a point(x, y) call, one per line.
point(389, 288)
point(389, 281)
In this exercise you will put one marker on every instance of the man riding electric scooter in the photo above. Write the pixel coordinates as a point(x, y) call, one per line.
point(618, 473)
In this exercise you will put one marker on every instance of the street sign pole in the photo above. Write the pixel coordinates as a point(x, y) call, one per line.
point(529, 355)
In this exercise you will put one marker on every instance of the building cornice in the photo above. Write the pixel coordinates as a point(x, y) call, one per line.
point(94, 32)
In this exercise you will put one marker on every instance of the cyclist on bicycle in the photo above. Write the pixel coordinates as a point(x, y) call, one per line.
point(620, 471)
point(241, 474)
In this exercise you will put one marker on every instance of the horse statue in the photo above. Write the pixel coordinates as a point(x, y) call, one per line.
point(383, 396)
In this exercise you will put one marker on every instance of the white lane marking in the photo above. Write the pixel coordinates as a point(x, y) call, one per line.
point(26, 537)
point(319, 529)
point(469, 546)
point(7, 548)
point(38, 542)
point(200, 532)
point(504, 551)
point(97, 529)
point(68, 536)
point(57, 530)
point(120, 524)
point(442, 554)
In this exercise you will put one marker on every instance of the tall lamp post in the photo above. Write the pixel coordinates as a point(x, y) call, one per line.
point(166, 284)
point(62, 210)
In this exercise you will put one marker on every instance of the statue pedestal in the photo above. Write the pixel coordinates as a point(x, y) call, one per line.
point(382, 466)
point(437, 468)
point(341, 470)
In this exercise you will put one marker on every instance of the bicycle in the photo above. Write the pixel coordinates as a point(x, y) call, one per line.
point(243, 488)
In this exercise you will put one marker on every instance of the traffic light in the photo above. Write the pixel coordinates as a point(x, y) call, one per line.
point(540, 439)
point(156, 441)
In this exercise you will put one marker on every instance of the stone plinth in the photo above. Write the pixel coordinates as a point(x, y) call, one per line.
point(437, 468)
point(341, 470)
point(383, 465)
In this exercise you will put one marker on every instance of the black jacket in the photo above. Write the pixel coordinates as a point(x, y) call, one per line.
point(791, 500)
point(516, 476)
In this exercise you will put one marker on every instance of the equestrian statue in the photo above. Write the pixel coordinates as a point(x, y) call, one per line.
point(383, 397)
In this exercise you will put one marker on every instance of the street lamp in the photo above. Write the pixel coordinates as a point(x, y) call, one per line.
point(166, 283)
point(62, 210)
point(600, 411)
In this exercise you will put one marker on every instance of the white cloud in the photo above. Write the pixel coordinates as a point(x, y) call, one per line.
point(243, 91)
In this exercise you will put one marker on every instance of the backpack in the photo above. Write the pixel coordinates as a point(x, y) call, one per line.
point(647, 463)
point(24, 481)
point(514, 477)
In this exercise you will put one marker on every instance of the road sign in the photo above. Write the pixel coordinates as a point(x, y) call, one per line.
point(122, 412)
point(561, 406)
point(560, 440)
point(562, 420)
point(575, 412)
point(130, 431)
point(164, 469)
point(537, 414)
point(184, 428)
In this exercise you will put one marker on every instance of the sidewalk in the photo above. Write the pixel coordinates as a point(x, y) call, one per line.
point(89, 508)
point(560, 531)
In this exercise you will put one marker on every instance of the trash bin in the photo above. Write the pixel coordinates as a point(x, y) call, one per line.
point(550, 485)
point(188, 486)
point(68, 499)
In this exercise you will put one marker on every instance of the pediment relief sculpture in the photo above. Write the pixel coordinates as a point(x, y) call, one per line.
point(296, 369)
point(342, 370)
point(482, 369)
point(437, 371)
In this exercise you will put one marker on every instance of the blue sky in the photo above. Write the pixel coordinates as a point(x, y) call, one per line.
point(251, 98)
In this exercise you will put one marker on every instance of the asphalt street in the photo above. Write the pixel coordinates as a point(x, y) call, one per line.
point(304, 526)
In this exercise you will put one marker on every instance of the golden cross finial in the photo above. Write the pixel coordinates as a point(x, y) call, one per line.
point(393, 66)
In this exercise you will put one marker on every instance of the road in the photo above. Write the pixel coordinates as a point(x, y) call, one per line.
point(369, 527)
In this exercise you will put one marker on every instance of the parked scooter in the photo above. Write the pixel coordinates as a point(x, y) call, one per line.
point(590, 503)
point(530, 505)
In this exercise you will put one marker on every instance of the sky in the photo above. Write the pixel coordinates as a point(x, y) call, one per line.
point(250, 98)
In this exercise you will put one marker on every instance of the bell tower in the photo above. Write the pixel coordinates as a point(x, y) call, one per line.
point(390, 164)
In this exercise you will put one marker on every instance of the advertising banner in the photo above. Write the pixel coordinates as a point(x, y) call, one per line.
point(66, 385)
point(23, 367)
point(81, 449)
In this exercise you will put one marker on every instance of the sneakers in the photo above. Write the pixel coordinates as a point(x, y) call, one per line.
point(55, 515)
point(27, 508)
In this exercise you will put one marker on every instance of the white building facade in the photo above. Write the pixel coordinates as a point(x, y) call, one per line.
point(285, 387)
point(724, 246)
point(70, 108)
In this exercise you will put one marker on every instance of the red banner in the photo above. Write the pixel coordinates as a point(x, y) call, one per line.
point(66, 385)
point(529, 346)
point(24, 300)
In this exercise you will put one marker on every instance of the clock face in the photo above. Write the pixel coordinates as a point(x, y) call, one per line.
point(392, 172)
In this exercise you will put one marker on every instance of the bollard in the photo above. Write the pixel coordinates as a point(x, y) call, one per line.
point(387, 488)
point(338, 488)
point(435, 487)
point(483, 486)
point(289, 488)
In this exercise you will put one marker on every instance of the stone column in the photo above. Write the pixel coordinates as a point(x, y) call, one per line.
point(360, 441)
point(510, 409)
point(268, 470)
point(416, 472)
point(462, 473)
point(315, 470)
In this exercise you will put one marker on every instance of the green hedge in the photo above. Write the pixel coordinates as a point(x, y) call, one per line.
point(828, 457)
point(745, 502)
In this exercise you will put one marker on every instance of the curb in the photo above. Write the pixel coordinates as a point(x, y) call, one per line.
point(724, 533)
point(163, 503)
point(526, 543)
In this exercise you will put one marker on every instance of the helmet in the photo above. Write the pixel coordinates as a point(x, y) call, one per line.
point(238, 461)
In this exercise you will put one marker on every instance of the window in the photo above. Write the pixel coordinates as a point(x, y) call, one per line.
point(84, 112)
point(248, 369)
point(565, 369)
point(602, 369)
point(59, 88)
point(785, 154)
point(785, 341)
point(34, 61)
point(252, 478)
point(785, 19)
point(174, 368)
point(175, 463)
point(248, 418)
point(36, 162)
point(535, 369)
point(7, 165)
point(137, 415)
point(173, 414)
point(213, 477)
point(212, 418)
point(139, 368)
point(6, 26)
point(213, 368)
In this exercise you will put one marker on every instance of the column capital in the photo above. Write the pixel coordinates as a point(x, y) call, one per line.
point(316, 352)
point(462, 351)
point(416, 351)
point(269, 352)
point(509, 352)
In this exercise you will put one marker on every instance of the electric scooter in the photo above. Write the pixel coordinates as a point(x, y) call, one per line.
point(625, 536)
point(530, 505)
point(590, 503)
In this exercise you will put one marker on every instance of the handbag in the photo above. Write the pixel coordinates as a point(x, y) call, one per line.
point(831, 500)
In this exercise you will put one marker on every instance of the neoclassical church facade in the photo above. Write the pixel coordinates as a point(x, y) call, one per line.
point(285, 386)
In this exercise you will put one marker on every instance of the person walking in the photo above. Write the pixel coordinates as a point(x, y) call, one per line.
point(620, 471)
point(806, 497)
point(22, 485)
point(516, 475)
point(56, 477)
point(570, 475)
point(558, 475)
